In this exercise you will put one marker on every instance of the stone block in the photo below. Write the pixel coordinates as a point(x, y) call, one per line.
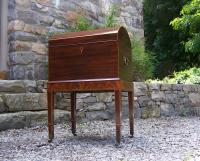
point(39, 48)
point(166, 87)
point(83, 95)
point(167, 110)
point(2, 106)
point(63, 104)
point(194, 98)
point(67, 5)
point(149, 112)
point(177, 87)
point(12, 86)
point(190, 88)
point(16, 25)
point(140, 89)
point(96, 107)
point(59, 24)
point(104, 97)
point(41, 71)
point(25, 101)
point(154, 86)
point(58, 14)
point(143, 101)
point(39, 30)
point(124, 94)
point(21, 58)
point(44, 2)
point(196, 111)
point(184, 101)
point(39, 8)
point(20, 46)
point(22, 36)
point(65, 95)
point(13, 121)
point(30, 86)
point(27, 118)
point(38, 118)
point(41, 86)
point(28, 16)
point(171, 98)
point(181, 94)
point(46, 20)
point(99, 115)
point(17, 72)
point(158, 95)
point(23, 4)
point(132, 10)
point(138, 110)
point(90, 99)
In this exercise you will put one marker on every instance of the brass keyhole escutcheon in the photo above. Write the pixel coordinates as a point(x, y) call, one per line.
point(125, 60)
point(81, 49)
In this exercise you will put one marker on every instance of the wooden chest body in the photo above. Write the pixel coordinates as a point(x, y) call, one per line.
point(98, 54)
point(91, 61)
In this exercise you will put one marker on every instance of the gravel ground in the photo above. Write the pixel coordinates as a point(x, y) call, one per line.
point(161, 139)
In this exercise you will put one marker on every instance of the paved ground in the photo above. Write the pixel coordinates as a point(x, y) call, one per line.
point(163, 139)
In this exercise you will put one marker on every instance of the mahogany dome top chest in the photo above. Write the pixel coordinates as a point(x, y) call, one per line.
point(91, 61)
point(98, 54)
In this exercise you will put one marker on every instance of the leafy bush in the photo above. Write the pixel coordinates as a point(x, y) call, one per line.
point(161, 39)
point(142, 62)
point(190, 76)
point(111, 17)
point(81, 24)
point(189, 22)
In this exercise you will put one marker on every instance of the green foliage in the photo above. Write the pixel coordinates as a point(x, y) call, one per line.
point(161, 40)
point(111, 17)
point(189, 76)
point(81, 24)
point(184, 112)
point(189, 23)
point(142, 61)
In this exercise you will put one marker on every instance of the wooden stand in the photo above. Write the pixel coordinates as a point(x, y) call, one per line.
point(96, 85)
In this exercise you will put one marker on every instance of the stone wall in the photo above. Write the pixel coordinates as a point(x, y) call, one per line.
point(31, 20)
point(155, 100)
point(24, 103)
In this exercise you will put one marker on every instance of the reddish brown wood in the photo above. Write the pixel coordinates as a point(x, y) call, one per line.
point(73, 112)
point(90, 86)
point(118, 104)
point(50, 96)
point(72, 63)
point(90, 55)
point(84, 37)
point(90, 61)
point(131, 113)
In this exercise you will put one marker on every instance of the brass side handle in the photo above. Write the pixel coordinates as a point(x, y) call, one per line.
point(125, 60)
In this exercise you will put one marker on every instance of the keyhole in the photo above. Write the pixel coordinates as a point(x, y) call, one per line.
point(81, 49)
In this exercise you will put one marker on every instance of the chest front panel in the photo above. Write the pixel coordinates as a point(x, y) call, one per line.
point(85, 61)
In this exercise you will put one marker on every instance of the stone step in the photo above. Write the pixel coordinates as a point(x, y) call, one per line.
point(23, 102)
point(29, 118)
point(22, 86)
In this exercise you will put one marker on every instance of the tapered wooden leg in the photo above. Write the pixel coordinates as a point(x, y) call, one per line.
point(73, 112)
point(50, 97)
point(131, 113)
point(118, 104)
